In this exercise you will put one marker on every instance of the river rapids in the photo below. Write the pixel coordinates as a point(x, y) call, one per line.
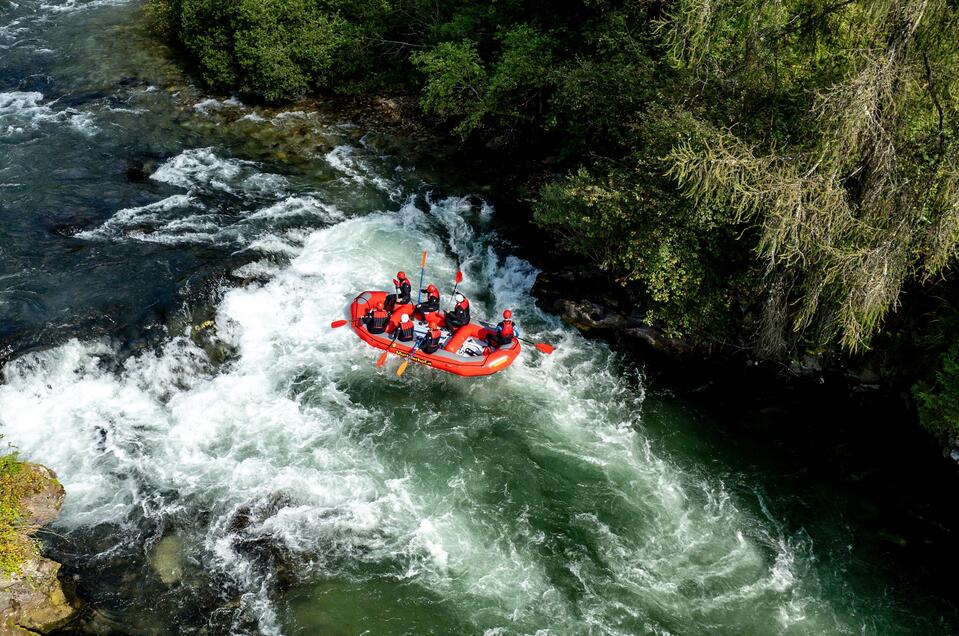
point(260, 475)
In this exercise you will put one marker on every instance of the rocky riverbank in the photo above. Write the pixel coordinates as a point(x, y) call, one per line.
point(33, 600)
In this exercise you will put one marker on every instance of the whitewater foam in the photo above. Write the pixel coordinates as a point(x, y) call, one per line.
point(23, 113)
point(540, 507)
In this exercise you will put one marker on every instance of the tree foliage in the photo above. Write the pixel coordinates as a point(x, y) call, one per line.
point(938, 400)
point(850, 215)
point(778, 171)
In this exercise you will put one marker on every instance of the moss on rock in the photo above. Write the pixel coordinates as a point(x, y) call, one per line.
point(32, 599)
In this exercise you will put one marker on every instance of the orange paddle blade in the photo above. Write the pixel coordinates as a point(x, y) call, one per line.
point(545, 348)
point(382, 360)
point(423, 262)
point(338, 323)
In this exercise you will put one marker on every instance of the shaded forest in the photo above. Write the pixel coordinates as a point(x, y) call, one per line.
point(782, 175)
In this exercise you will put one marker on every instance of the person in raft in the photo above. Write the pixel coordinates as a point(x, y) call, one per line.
point(403, 289)
point(505, 332)
point(404, 331)
point(460, 315)
point(376, 319)
point(431, 341)
point(432, 302)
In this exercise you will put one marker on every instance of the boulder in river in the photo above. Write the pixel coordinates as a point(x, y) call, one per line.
point(167, 559)
point(32, 599)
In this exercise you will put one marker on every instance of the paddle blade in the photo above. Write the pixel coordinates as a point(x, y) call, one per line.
point(402, 368)
point(382, 360)
point(423, 262)
point(459, 277)
point(338, 323)
point(545, 348)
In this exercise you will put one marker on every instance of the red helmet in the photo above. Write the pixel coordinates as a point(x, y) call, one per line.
point(432, 289)
point(379, 305)
point(507, 314)
point(401, 275)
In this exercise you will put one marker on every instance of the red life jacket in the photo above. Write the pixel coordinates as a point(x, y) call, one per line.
point(506, 329)
point(432, 342)
point(405, 331)
point(378, 320)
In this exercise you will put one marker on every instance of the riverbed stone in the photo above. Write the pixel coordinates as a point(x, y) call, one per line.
point(34, 600)
point(167, 559)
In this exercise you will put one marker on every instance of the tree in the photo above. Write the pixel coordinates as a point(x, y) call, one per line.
point(849, 214)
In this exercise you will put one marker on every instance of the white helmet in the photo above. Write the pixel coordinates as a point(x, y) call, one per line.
point(459, 297)
point(405, 318)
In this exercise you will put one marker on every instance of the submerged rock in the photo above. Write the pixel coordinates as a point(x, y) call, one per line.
point(167, 559)
point(33, 600)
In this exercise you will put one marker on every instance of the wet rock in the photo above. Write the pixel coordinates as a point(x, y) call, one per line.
point(267, 550)
point(139, 170)
point(256, 512)
point(166, 559)
point(33, 600)
point(587, 301)
point(387, 108)
point(864, 375)
point(659, 342)
point(70, 229)
point(43, 507)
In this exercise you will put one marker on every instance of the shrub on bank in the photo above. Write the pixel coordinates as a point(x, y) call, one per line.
point(938, 400)
point(16, 483)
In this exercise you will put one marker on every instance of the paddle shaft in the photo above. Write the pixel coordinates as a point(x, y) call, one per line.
point(453, 295)
point(382, 358)
point(410, 357)
point(540, 346)
point(457, 279)
point(422, 271)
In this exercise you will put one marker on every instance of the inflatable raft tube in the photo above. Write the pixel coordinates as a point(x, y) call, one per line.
point(460, 353)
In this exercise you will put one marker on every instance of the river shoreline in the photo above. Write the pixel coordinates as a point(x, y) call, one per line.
point(33, 598)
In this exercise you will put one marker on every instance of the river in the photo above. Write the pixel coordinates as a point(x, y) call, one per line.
point(262, 476)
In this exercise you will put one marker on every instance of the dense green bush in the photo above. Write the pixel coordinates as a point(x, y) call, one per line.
point(938, 401)
point(277, 49)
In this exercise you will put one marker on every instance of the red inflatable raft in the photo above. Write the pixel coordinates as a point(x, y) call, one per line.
point(460, 353)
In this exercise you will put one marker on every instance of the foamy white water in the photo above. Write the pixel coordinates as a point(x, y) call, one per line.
point(24, 113)
point(333, 464)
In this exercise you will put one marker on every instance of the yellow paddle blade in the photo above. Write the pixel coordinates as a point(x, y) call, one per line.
point(402, 368)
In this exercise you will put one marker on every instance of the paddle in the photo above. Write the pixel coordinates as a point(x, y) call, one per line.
point(382, 359)
point(541, 346)
point(422, 271)
point(406, 362)
point(459, 279)
point(336, 324)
